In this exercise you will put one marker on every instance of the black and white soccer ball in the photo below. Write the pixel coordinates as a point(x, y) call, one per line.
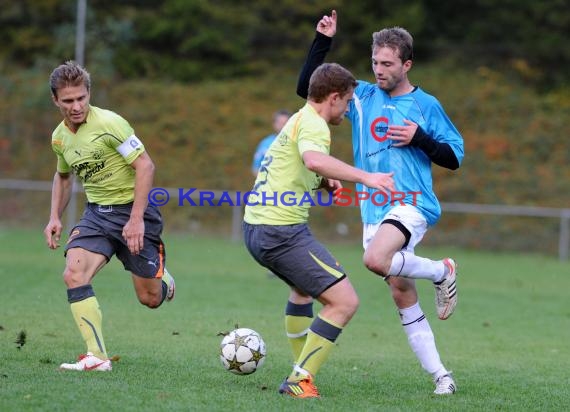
point(242, 351)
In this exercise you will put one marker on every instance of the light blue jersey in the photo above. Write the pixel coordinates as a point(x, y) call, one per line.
point(371, 112)
point(262, 147)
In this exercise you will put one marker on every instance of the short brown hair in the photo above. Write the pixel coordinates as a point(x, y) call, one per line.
point(330, 78)
point(69, 74)
point(395, 38)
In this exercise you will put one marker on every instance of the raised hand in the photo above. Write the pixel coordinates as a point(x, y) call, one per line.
point(327, 25)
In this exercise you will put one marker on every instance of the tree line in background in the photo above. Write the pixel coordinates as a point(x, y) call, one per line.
point(194, 40)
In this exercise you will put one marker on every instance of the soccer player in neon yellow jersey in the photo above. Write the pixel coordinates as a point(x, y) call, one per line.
point(101, 148)
point(278, 237)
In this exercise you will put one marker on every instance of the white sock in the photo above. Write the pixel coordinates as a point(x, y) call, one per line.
point(421, 340)
point(408, 265)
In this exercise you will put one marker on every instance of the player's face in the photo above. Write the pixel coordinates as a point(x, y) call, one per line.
point(340, 107)
point(388, 69)
point(73, 103)
point(279, 122)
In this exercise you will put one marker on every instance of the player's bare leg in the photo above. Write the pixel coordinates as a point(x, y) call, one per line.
point(152, 292)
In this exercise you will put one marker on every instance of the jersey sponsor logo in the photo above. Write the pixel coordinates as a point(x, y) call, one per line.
point(379, 129)
point(371, 154)
point(86, 170)
point(100, 178)
point(97, 154)
point(283, 139)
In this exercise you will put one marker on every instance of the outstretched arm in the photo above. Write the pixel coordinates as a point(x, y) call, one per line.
point(326, 29)
point(334, 169)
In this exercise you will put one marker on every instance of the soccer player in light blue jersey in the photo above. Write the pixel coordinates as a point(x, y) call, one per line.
point(399, 127)
point(280, 117)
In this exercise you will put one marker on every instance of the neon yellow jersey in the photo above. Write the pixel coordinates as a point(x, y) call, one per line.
point(281, 192)
point(100, 154)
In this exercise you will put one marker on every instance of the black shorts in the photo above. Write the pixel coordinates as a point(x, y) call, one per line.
point(293, 254)
point(100, 230)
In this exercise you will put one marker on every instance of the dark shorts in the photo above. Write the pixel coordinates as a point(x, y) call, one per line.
point(100, 230)
point(293, 254)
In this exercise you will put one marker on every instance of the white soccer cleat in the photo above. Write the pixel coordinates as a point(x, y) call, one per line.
point(169, 280)
point(88, 362)
point(445, 385)
point(446, 291)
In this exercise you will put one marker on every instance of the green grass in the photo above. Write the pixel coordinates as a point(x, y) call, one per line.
point(508, 342)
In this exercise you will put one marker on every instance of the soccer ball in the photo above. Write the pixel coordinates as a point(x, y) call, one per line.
point(242, 351)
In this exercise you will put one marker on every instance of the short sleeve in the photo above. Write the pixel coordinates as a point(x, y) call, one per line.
point(122, 138)
point(314, 136)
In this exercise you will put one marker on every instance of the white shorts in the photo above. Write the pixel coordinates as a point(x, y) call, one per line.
point(408, 216)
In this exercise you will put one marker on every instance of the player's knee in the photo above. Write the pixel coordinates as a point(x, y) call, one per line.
point(353, 304)
point(376, 264)
point(151, 301)
point(73, 278)
point(350, 305)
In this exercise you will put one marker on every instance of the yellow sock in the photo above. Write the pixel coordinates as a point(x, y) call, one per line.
point(320, 341)
point(88, 318)
point(297, 328)
point(314, 354)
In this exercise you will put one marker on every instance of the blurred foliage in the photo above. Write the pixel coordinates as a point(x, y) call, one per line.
point(199, 81)
point(206, 132)
point(193, 40)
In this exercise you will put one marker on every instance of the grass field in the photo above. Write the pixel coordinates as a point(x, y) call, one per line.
point(508, 343)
